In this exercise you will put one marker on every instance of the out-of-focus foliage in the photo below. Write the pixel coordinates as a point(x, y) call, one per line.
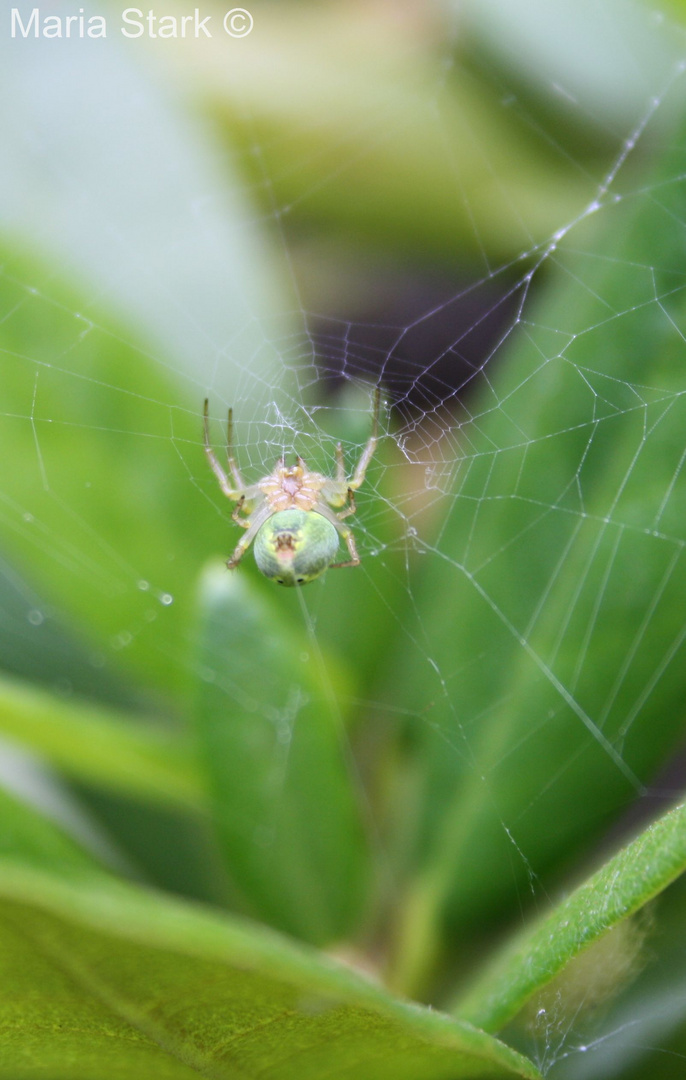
point(401, 762)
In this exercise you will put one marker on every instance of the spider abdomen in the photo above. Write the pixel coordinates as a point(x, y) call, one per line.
point(288, 514)
point(295, 546)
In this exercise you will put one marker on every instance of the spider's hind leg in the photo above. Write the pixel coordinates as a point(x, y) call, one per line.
point(235, 514)
point(344, 531)
point(254, 524)
point(350, 509)
point(354, 559)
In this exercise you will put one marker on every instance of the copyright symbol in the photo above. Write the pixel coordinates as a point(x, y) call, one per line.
point(238, 22)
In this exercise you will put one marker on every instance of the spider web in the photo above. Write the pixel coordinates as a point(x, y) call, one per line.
point(519, 433)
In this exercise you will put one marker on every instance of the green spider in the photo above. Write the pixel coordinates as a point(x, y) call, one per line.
point(289, 513)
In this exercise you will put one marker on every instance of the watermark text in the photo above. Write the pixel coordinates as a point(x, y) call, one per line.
point(133, 23)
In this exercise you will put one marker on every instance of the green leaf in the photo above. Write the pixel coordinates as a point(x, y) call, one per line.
point(100, 512)
point(276, 752)
point(373, 154)
point(27, 836)
point(103, 979)
point(172, 248)
point(38, 646)
point(628, 881)
point(122, 286)
point(554, 668)
point(91, 743)
point(638, 1032)
point(564, 43)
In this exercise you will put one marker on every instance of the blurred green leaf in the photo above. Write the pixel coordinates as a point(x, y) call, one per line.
point(93, 744)
point(104, 979)
point(100, 510)
point(276, 752)
point(107, 175)
point(27, 836)
point(39, 646)
point(383, 151)
point(553, 670)
point(589, 55)
point(140, 268)
point(628, 881)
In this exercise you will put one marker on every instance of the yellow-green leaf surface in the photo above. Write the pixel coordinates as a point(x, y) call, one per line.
point(628, 881)
point(104, 980)
point(275, 748)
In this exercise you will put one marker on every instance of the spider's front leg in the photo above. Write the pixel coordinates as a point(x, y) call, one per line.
point(213, 463)
point(240, 494)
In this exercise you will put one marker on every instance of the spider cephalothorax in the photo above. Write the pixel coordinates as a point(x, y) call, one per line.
point(289, 513)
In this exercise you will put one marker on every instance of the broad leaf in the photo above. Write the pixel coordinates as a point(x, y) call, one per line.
point(102, 979)
point(276, 752)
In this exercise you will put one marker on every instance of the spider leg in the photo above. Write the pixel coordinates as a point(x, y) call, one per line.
point(340, 464)
point(335, 491)
point(214, 464)
point(368, 452)
point(354, 559)
point(235, 472)
point(344, 531)
point(254, 525)
point(351, 509)
point(240, 493)
point(243, 522)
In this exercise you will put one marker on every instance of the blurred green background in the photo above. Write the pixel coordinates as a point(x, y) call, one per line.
point(480, 206)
